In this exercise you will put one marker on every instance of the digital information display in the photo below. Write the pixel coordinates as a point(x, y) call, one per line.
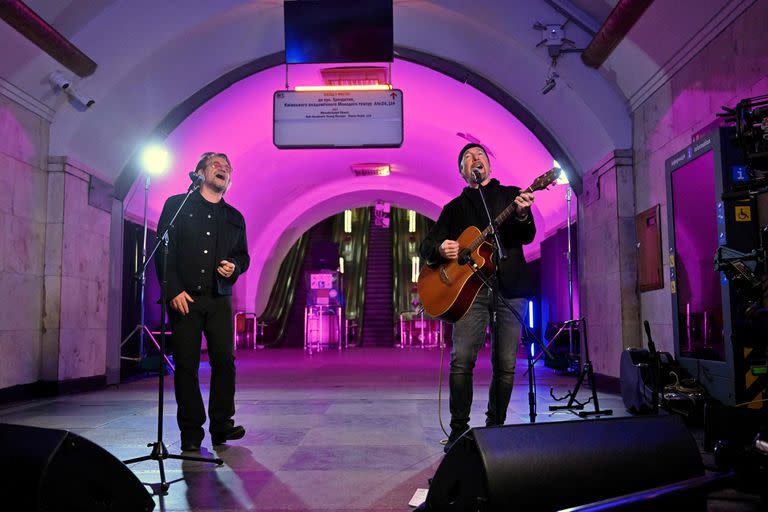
point(321, 281)
point(338, 119)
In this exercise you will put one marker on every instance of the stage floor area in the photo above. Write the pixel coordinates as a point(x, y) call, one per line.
point(350, 430)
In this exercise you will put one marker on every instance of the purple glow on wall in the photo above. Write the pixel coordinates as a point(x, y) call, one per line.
point(699, 302)
point(284, 192)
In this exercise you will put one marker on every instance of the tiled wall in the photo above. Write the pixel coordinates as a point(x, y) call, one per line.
point(76, 275)
point(23, 182)
point(54, 259)
point(608, 262)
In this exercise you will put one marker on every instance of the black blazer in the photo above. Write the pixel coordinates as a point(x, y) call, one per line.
point(231, 245)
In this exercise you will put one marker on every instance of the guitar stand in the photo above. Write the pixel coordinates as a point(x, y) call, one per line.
point(545, 347)
point(587, 372)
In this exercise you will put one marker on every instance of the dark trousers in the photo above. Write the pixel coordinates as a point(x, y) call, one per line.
point(212, 316)
point(468, 337)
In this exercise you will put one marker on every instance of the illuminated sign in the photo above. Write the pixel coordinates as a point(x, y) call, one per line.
point(338, 119)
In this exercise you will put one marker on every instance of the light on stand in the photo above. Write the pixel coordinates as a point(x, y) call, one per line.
point(530, 314)
point(562, 179)
point(155, 159)
point(530, 324)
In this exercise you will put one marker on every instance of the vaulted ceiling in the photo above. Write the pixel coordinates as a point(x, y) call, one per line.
point(154, 58)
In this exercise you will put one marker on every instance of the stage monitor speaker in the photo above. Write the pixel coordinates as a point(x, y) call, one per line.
point(552, 466)
point(55, 470)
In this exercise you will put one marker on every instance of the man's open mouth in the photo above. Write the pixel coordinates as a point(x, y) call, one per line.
point(221, 176)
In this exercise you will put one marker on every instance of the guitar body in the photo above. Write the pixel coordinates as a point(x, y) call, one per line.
point(447, 290)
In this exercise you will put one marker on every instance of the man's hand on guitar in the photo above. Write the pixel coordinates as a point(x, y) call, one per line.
point(524, 202)
point(449, 249)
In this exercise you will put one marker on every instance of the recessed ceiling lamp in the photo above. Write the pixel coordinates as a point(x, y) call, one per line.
point(371, 169)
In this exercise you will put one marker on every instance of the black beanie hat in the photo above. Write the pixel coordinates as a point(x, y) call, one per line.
point(469, 146)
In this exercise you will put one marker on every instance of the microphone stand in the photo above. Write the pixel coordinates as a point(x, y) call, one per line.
point(499, 254)
point(159, 450)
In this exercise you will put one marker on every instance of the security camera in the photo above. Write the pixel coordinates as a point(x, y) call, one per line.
point(548, 86)
point(551, 81)
point(81, 98)
point(60, 81)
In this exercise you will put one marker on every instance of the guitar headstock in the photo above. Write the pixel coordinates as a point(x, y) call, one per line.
point(545, 180)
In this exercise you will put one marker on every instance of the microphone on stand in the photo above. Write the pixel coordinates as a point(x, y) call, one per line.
point(477, 175)
point(197, 179)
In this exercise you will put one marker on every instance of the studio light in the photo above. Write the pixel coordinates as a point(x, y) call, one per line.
point(155, 159)
point(562, 178)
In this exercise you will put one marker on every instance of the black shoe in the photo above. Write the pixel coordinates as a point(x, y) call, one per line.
point(236, 432)
point(452, 438)
point(190, 447)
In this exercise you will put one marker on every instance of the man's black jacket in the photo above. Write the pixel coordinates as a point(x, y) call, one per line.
point(231, 245)
point(467, 210)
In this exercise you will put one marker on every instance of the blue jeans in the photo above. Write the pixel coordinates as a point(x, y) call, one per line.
point(468, 338)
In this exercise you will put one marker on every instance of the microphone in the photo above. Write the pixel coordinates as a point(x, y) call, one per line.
point(477, 175)
point(196, 178)
point(651, 344)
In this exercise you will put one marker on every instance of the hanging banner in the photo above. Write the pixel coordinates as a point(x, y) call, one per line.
point(338, 119)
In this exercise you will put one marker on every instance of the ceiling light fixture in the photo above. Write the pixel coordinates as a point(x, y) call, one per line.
point(317, 88)
point(371, 169)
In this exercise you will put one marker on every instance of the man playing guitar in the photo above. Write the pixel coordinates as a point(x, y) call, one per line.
point(441, 246)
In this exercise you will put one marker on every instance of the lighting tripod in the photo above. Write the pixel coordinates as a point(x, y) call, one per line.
point(141, 328)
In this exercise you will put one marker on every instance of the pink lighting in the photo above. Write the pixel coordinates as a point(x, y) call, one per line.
point(282, 193)
point(379, 87)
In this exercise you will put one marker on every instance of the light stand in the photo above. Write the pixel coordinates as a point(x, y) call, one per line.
point(140, 276)
point(568, 193)
point(159, 450)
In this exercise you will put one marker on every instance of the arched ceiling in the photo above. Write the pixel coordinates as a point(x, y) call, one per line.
point(284, 192)
point(153, 56)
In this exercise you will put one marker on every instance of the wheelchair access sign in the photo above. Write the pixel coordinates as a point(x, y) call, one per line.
point(743, 214)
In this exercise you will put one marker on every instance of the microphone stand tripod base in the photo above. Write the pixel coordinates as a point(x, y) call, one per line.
point(160, 453)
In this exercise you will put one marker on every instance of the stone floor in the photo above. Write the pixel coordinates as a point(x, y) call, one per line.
point(351, 430)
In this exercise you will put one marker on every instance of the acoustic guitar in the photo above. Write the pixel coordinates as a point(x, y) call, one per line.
point(447, 290)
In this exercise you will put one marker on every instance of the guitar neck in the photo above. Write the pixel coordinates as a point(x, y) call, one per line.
point(499, 219)
point(503, 215)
